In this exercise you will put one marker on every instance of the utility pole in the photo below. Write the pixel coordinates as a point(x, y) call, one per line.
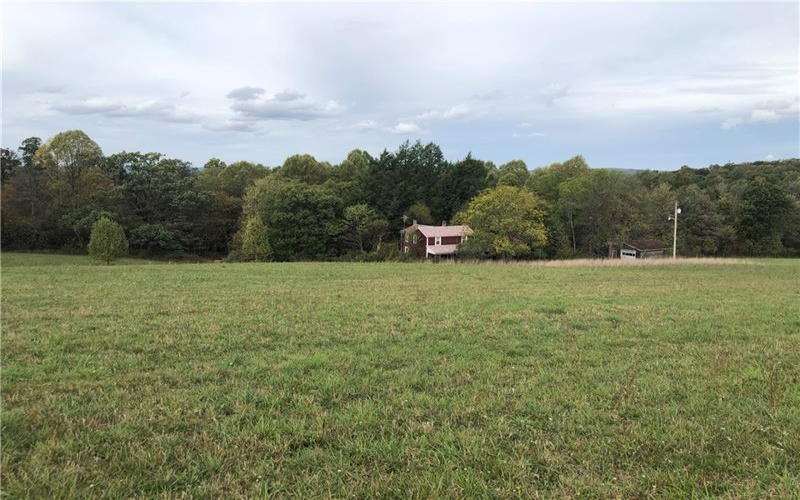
point(675, 231)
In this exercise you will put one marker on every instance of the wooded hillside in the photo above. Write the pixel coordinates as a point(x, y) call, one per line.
point(54, 191)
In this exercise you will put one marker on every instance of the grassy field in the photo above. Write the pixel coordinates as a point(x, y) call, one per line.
point(399, 380)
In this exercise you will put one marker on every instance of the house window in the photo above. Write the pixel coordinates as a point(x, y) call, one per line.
point(430, 241)
point(415, 238)
point(405, 249)
point(438, 240)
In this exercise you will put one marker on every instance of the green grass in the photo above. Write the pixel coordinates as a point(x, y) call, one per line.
point(51, 259)
point(400, 380)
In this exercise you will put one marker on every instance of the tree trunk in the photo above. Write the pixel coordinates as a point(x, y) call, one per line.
point(572, 229)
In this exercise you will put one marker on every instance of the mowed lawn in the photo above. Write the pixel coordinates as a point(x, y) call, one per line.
point(342, 380)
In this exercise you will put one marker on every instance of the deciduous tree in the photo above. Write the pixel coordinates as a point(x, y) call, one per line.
point(508, 223)
point(76, 164)
point(304, 168)
point(9, 164)
point(255, 241)
point(419, 212)
point(760, 223)
point(364, 227)
point(603, 207)
point(304, 220)
point(514, 173)
point(107, 241)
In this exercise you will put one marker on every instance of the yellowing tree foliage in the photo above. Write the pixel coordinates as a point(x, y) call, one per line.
point(255, 242)
point(74, 161)
point(508, 223)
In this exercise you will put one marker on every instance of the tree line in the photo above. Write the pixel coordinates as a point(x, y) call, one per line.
point(53, 193)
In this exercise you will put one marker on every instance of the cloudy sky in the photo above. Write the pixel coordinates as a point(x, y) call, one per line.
point(626, 85)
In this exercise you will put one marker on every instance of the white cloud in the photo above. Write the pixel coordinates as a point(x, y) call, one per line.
point(456, 112)
point(528, 135)
point(764, 116)
point(245, 93)
point(768, 112)
point(365, 125)
point(731, 123)
point(769, 157)
point(405, 128)
point(289, 95)
point(285, 105)
point(361, 126)
point(233, 126)
point(92, 105)
point(429, 115)
point(111, 108)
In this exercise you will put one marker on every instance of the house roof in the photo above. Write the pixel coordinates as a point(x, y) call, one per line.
point(442, 231)
point(442, 249)
point(644, 245)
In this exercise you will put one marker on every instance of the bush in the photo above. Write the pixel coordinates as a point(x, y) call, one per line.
point(107, 241)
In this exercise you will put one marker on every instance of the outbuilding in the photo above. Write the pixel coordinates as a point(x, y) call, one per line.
point(643, 249)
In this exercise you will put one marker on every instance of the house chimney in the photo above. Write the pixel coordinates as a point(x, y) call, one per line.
point(414, 222)
point(444, 223)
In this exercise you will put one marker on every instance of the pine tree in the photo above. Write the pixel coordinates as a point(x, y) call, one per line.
point(107, 241)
